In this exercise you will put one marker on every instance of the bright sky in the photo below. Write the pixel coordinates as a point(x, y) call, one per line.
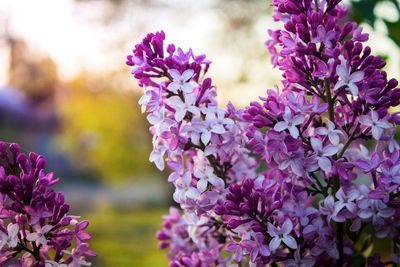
point(67, 33)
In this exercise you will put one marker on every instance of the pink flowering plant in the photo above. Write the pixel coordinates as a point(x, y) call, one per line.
point(330, 189)
point(35, 227)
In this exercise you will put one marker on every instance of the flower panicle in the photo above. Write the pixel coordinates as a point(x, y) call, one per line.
point(35, 226)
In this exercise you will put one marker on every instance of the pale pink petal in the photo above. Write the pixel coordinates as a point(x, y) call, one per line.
point(205, 137)
point(342, 71)
point(321, 131)
point(353, 89)
point(339, 84)
point(330, 150)
point(192, 193)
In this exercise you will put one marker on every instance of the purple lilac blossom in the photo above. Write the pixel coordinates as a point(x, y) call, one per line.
point(35, 226)
point(298, 178)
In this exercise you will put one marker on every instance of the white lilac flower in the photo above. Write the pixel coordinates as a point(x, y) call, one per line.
point(50, 263)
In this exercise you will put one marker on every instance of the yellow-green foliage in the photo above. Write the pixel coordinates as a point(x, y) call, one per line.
point(104, 130)
point(126, 238)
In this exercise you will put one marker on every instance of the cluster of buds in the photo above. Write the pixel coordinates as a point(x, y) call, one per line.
point(35, 227)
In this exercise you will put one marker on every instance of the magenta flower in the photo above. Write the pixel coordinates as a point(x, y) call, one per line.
point(39, 229)
point(256, 247)
point(324, 37)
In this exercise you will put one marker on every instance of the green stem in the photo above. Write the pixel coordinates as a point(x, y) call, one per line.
point(336, 179)
point(316, 5)
point(395, 251)
point(330, 101)
point(351, 138)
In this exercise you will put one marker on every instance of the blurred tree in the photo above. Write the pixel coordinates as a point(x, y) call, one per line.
point(373, 11)
point(34, 75)
point(103, 128)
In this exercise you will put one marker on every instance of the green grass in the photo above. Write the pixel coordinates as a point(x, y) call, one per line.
point(126, 238)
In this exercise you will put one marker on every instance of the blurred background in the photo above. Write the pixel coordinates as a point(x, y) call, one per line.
point(66, 93)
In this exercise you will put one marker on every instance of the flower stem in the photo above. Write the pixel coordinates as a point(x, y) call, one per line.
point(330, 101)
point(351, 138)
point(395, 251)
point(316, 5)
point(336, 179)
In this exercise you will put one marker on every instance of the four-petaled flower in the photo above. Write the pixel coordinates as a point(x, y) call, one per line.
point(185, 189)
point(181, 81)
point(322, 153)
point(280, 235)
point(377, 125)
point(324, 37)
point(298, 261)
point(40, 235)
point(256, 246)
point(331, 132)
point(290, 123)
point(182, 107)
point(10, 238)
point(346, 200)
point(207, 176)
point(348, 79)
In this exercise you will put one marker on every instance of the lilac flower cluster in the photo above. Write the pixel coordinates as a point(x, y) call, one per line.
point(308, 176)
point(201, 143)
point(35, 227)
